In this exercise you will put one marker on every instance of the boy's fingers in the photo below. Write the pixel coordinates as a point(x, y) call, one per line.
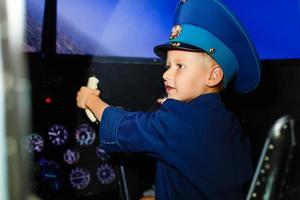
point(83, 95)
point(161, 100)
point(148, 198)
point(97, 92)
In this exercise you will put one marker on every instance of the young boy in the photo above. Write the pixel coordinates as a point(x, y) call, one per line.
point(199, 145)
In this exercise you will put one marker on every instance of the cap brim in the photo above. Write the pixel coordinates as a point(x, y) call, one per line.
point(162, 50)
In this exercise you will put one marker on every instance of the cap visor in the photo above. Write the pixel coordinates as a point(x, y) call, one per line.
point(162, 50)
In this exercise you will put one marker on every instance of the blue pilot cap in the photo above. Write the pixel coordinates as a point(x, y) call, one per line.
point(208, 26)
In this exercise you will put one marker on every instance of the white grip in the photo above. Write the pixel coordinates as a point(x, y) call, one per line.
point(93, 84)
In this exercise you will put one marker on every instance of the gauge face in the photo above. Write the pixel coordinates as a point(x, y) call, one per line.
point(58, 134)
point(106, 174)
point(50, 173)
point(79, 178)
point(101, 153)
point(71, 156)
point(34, 143)
point(85, 135)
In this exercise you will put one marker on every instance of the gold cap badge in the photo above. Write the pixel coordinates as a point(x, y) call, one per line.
point(176, 30)
point(212, 50)
point(175, 44)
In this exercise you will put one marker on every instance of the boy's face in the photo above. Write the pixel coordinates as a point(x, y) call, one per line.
point(187, 74)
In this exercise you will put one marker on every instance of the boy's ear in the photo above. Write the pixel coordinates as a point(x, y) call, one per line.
point(215, 76)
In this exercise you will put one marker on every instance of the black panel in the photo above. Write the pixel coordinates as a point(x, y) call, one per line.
point(276, 95)
point(134, 86)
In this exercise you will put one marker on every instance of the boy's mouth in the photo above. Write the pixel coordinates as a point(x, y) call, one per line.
point(169, 88)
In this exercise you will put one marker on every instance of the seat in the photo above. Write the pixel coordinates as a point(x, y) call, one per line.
point(274, 162)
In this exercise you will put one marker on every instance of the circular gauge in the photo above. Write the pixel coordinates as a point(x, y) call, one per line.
point(85, 135)
point(101, 153)
point(34, 143)
point(106, 174)
point(49, 172)
point(71, 156)
point(58, 134)
point(79, 178)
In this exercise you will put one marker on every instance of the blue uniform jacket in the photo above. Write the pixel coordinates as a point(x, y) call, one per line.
point(201, 150)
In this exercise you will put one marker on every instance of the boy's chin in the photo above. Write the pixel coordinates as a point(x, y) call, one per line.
point(177, 98)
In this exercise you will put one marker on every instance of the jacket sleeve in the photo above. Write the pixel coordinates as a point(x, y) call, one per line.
point(122, 131)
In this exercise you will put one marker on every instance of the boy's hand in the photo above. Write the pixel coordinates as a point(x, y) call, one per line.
point(161, 100)
point(148, 198)
point(83, 96)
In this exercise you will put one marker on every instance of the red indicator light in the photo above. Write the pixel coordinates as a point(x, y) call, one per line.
point(48, 100)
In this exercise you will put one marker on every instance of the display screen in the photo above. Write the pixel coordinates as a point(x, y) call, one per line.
point(113, 28)
point(131, 28)
point(34, 25)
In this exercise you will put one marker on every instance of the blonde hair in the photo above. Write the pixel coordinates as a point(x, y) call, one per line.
point(208, 60)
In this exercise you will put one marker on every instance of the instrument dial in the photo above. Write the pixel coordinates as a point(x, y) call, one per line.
point(85, 135)
point(71, 156)
point(106, 174)
point(79, 178)
point(101, 153)
point(49, 172)
point(58, 134)
point(34, 143)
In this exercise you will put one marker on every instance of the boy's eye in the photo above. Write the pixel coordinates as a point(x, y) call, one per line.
point(180, 66)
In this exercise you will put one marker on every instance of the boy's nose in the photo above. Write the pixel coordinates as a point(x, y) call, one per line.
point(168, 74)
